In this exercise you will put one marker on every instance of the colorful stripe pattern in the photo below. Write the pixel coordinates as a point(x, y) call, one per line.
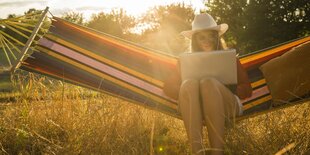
point(104, 63)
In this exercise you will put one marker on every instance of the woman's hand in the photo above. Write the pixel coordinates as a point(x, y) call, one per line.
point(244, 91)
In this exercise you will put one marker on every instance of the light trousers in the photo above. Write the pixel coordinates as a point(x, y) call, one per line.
point(210, 101)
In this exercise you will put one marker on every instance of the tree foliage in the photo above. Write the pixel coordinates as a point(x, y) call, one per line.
point(163, 26)
point(257, 24)
point(74, 17)
point(254, 24)
point(116, 23)
point(166, 23)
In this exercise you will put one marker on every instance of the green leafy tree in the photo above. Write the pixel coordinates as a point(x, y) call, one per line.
point(32, 11)
point(116, 23)
point(74, 17)
point(11, 16)
point(258, 24)
point(165, 24)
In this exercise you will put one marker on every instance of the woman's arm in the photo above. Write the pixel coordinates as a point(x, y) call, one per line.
point(244, 89)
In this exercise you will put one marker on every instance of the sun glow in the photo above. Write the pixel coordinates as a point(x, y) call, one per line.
point(139, 8)
point(89, 7)
point(132, 7)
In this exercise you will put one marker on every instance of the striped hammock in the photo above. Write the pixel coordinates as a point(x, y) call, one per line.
point(101, 62)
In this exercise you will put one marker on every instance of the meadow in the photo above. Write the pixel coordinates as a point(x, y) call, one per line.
point(52, 117)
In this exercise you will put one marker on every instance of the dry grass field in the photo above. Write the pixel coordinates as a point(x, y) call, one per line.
point(52, 117)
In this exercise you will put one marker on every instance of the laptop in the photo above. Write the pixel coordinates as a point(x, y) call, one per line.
point(220, 65)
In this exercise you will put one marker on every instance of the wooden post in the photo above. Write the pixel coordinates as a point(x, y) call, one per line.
point(30, 40)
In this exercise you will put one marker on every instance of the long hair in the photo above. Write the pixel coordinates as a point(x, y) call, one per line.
point(217, 42)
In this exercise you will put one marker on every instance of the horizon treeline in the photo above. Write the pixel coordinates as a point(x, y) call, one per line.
point(253, 24)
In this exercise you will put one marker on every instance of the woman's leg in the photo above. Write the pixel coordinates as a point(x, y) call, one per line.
point(218, 103)
point(190, 108)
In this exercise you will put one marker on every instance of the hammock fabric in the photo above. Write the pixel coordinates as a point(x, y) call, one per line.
point(91, 59)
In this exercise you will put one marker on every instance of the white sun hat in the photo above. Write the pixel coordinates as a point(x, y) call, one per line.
point(204, 22)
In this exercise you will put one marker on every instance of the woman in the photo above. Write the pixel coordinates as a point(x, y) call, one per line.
point(207, 99)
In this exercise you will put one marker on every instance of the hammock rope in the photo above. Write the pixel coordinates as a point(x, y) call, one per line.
point(16, 31)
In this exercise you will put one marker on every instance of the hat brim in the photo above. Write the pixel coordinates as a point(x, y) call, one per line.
point(221, 29)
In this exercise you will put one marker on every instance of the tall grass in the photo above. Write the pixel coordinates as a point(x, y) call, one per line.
point(52, 117)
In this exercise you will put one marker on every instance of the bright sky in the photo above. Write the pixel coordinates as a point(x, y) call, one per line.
point(87, 7)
